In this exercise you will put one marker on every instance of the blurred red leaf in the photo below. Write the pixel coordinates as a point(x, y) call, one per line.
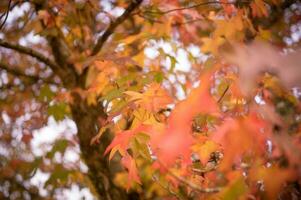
point(129, 163)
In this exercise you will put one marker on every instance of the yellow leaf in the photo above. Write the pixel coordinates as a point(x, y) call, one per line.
point(91, 99)
point(205, 150)
point(153, 99)
point(143, 116)
point(134, 95)
point(212, 45)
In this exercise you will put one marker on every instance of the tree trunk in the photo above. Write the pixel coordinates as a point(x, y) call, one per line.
point(101, 172)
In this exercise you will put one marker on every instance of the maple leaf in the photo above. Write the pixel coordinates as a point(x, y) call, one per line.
point(272, 186)
point(198, 101)
point(239, 136)
point(129, 163)
point(258, 57)
point(46, 17)
point(176, 140)
point(152, 99)
point(204, 150)
point(172, 145)
point(229, 9)
point(121, 141)
point(259, 9)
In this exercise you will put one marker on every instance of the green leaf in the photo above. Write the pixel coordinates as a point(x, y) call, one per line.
point(140, 149)
point(235, 190)
point(49, 32)
point(152, 12)
point(112, 94)
point(59, 175)
point(142, 138)
point(126, 78)
point(173, 61)
point(118, 106)
point(46, 94)
point(158, 77)
point(59, 146)
point(58, 111)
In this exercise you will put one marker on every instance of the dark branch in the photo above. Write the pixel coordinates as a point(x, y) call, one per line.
point(19, 73)
point(61, 52)
point(6, 15)
point(193, 6)
point(100, 42)
point(174, 24)
point(30, 52)
point(8, 86)
point(9, 9)
point(224, 93)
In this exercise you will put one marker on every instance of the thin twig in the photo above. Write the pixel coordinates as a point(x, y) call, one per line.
point(150, 19)
point(204, 170)
point(190, 7)
point(166, 188)
point(15, 71)
point(113, 25)
point(188, 22)
point(194, 186)
point(190, 184)
point(7, 12)
point(8, 86)
point(224, 93)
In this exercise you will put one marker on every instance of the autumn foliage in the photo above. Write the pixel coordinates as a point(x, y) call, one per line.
point(170, 99)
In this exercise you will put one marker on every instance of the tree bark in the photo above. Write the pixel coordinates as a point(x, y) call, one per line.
point(101, 172)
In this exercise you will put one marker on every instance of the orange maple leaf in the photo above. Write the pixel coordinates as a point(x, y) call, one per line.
point(129, 163)
point(122, 139)
point(239, 136)
point(153, 99)
point(175, 141)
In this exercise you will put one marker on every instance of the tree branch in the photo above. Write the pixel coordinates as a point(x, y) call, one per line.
point(193, 6)
point(30, 52)
point(15, 71)
point(190, 184)
point(100, 42)
point(6, 15)
point(211, 166)
point(223, 94)
point(194, 186)
point(61, 53)
point(7, 87)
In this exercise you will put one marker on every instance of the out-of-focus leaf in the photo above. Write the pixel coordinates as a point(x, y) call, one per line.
point(46, 94)
point(159, 76)
point(153, 99)
point(235, 190)
point(112, 94)
point(59, 146)
point(173, 62)
point(58, 111)
point(129, 163)
point(59, 176)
